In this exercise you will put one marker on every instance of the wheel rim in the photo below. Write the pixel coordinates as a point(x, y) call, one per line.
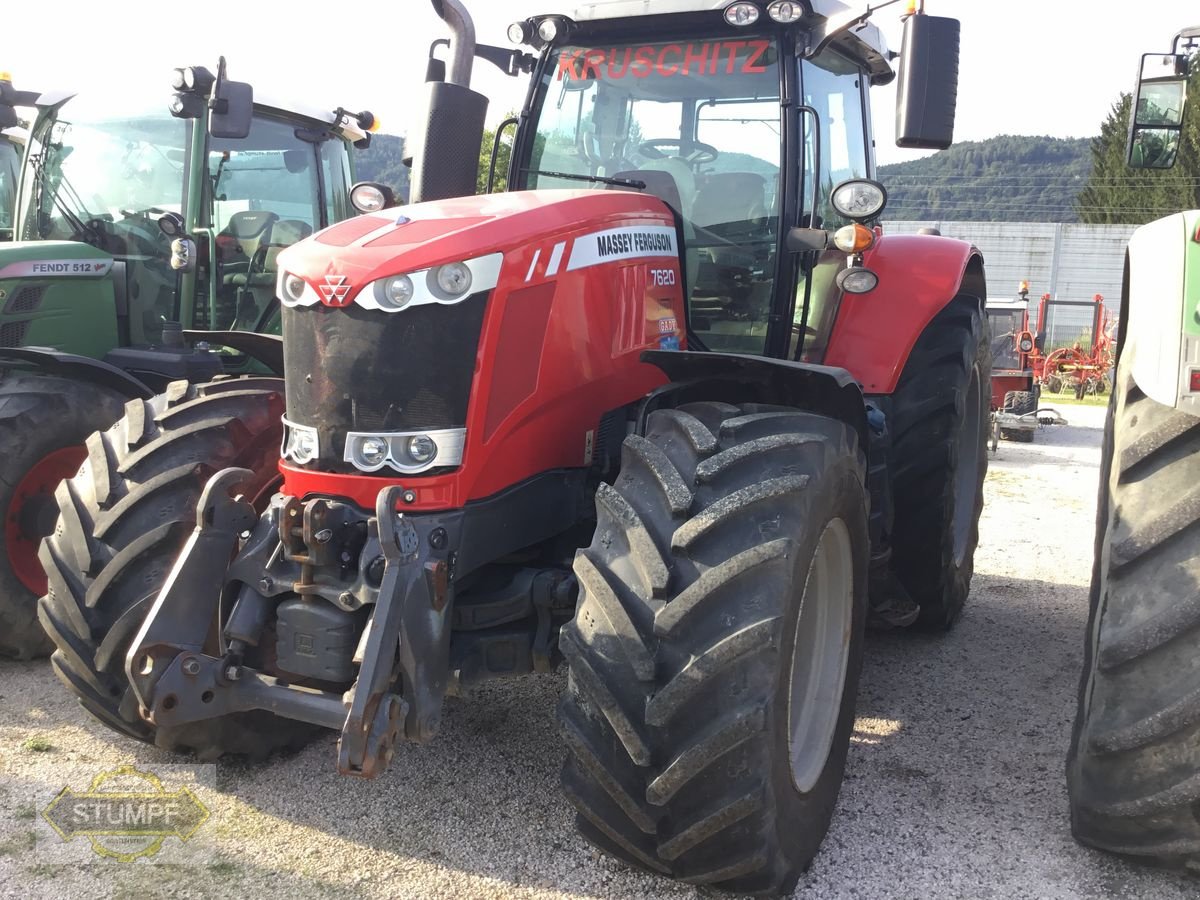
point(966, 476)
point(820, 655)
point(32, 513)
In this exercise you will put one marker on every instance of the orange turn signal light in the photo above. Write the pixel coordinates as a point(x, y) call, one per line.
point(854, 238)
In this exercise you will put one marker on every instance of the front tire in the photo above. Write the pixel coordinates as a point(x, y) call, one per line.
point(715, 654)
point(940, 411)
point(1132, 772)
point(123, 521)
point(44, 421)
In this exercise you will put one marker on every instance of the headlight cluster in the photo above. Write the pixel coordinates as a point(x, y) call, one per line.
point(446, 284)
point(301, 444)
point(743, 14)
point(409, 453)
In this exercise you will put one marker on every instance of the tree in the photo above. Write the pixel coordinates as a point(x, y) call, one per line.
point(1118, 194)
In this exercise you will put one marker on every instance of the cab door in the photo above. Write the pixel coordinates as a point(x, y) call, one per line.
point(835, 87)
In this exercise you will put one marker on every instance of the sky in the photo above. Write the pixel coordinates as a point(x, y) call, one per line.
point(1052, 67)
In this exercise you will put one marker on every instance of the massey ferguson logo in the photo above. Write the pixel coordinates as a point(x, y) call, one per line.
point(335, 291)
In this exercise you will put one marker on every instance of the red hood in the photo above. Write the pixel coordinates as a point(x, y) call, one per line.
point(414, 238)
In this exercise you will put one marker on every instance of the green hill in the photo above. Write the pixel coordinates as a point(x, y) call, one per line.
point(1004, 179)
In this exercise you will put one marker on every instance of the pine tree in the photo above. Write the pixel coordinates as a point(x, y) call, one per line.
point(1118, 194)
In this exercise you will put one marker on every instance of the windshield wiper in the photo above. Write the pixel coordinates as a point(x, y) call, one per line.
point(594, 179)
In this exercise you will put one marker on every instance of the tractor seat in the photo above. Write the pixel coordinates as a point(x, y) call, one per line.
point(731, 198)
point(671, 181)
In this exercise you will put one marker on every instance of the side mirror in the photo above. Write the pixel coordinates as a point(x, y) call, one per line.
point(1156, 116)
point(927, 87)
point(233, 111)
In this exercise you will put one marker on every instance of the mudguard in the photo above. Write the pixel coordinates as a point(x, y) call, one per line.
point(1160, 310)
point(918, 275)
point(79, 368)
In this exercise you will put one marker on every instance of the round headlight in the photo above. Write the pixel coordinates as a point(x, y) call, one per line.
point(859, 199)
point(517, 33)
point(453, 279)
point(367, 198)
point(857, 280)
point(373, 451)
point(293, 286)
point(548, 30)
point(785, 13)
point(394, 293)
point(421, 449)
point(1026, 345)
point(741, 14)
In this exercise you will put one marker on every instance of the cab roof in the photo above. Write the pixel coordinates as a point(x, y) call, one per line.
point(348, 128)
point(866, 42)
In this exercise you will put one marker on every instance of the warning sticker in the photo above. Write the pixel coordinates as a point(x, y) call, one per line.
point(706, 58)
point(622, 243)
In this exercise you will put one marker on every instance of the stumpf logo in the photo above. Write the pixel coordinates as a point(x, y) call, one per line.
point(335, 291)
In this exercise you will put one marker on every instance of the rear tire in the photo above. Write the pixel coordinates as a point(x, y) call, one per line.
point(124, 519)
point(940, 411)
point(686, 755)
point(1132, 771)
point(44, 421)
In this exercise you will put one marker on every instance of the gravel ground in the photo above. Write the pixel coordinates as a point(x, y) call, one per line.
point(954, 786)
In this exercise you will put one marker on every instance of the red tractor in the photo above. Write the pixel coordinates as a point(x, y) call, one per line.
point(1015, 391)
point(672, 413)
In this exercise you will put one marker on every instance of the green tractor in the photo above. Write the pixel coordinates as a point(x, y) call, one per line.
point(1134, 767)
point(143, 251)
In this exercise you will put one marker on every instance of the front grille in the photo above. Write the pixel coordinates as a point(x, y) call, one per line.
point(25, 299)
point(13, 334)
point(358, 370)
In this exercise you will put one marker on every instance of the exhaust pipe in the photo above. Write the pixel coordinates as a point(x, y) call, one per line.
point(462, 56)
point(446, 161)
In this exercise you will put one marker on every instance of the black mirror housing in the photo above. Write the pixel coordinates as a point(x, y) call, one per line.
point(233, 110)
point(927, 87)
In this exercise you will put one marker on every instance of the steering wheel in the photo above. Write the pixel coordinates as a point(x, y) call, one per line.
point(695, 153)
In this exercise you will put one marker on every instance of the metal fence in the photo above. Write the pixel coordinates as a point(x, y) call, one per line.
point(1066, 261)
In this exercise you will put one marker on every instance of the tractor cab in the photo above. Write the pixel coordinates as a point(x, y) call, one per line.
point(1012, 346)
point(741, 118)
point(163, 219)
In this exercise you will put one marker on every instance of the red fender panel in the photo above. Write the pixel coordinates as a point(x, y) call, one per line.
point(918, 275)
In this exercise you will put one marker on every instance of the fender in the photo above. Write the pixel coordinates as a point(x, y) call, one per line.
point(264, 348)
point(918, 275)
point(825, 390)
point(1159, 327)
point(79, 368)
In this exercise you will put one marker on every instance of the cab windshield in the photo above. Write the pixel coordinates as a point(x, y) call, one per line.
point(10, 164)
point(104, 178)
point(1006, 325)
point(699, 123)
